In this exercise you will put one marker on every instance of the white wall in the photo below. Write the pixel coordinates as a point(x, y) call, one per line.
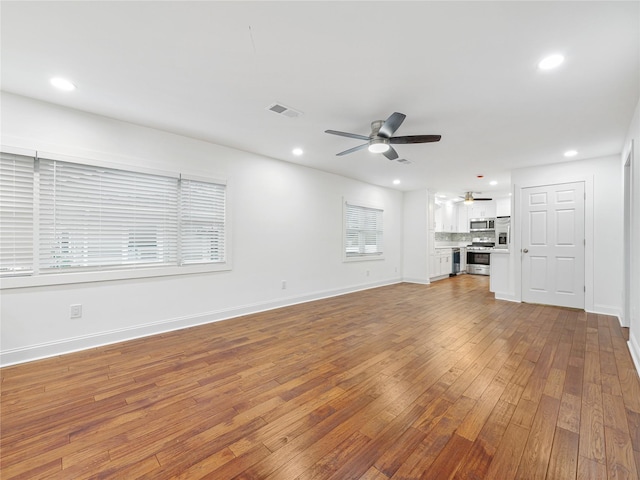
point(633, 138)
point(603, 226)
point(416, 240)
point(286, 223)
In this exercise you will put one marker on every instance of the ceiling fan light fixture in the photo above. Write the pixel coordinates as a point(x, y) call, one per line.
point(468, 198)
point(378, 145)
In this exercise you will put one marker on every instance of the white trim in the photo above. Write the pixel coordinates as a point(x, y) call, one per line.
point(93, 162)
point(45, 279)
point(69, 345)
point(611, 310)
point(200, 178)
point(27, 152)
point(506, 297)
point(419, 281)
point(634, 350)
point(629, 252)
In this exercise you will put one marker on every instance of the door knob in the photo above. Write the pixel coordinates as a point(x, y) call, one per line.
point(525, 250)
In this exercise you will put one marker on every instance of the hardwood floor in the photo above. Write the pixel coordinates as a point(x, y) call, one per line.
point(400, 382)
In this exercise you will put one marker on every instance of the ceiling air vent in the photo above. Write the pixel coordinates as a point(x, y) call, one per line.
point(284, 110)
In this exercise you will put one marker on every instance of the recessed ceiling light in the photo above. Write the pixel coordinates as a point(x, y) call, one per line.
point(297, 151)
point(493, 182)
point(570, 153)
point(62, 84)
point(396, 181)
point(550, 62)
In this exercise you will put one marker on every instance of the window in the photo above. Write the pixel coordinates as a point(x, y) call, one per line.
point(16, 214)
point(363, 231)
point(202, 222)
point(96, 219)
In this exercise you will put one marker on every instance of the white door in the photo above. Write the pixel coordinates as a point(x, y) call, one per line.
point(553, 245)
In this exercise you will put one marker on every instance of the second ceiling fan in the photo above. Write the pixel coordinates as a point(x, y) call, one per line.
point(469, 198)
point(381, 137)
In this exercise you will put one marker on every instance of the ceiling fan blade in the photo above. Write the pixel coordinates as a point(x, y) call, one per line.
point(345, 134)
point(354, 149)
point(391, 124)
point(415, 139)
point(483, 199)
point(391, 154)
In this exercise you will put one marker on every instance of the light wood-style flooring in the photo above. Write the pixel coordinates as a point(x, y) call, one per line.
point(400, 382)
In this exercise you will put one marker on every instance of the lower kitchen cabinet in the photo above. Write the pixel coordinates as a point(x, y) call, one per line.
point(442, 262)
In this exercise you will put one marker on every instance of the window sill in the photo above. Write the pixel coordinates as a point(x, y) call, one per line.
point(363, 258)
point(108, 275)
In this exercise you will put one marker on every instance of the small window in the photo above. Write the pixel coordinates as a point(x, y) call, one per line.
point(363, 232)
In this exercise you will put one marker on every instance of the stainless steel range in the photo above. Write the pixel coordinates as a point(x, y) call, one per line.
point(478, 255)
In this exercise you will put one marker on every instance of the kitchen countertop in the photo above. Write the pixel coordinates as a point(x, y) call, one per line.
point(499, 250)
point(451, 245)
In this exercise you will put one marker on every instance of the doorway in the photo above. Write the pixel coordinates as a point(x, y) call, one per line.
point(553, 244)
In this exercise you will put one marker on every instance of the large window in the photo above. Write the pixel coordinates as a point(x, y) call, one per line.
point(363, 232)
point(16, 214)
point(91, 218)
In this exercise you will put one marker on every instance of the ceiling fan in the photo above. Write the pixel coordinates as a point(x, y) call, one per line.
point(469, 198)
point(380, 138)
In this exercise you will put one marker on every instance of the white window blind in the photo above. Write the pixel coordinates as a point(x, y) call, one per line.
point(202, 222)
point(16, 214)
point(363, 231)
point(94, 218)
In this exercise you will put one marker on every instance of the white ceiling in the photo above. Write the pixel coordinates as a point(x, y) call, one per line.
point(464, 70)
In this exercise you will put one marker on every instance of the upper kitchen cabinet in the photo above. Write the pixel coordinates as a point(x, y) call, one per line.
point(463, 218)
point(503, 207)
point(446, 217)
point(482, 209)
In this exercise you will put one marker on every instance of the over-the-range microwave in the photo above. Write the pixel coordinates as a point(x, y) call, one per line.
point(482, 224)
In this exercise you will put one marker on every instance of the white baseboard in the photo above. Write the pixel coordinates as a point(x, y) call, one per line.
point(421, 281)
point(610, 310)
point(506, 297)
point(634, 349)
point(69, 345)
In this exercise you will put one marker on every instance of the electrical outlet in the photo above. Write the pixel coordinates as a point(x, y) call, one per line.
point(75, 311)
point(368, 273)
point(284, 284)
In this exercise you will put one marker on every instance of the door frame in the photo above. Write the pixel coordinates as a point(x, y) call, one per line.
point(516, 226)
point(629, 253)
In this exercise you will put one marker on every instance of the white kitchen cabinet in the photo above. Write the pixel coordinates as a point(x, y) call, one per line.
point(503, 207)
point(463, 218)
point(437, 214)
point(446, 218)
point(449, 218)
point(445, 264)
point(482, 209)
point(441, 262)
